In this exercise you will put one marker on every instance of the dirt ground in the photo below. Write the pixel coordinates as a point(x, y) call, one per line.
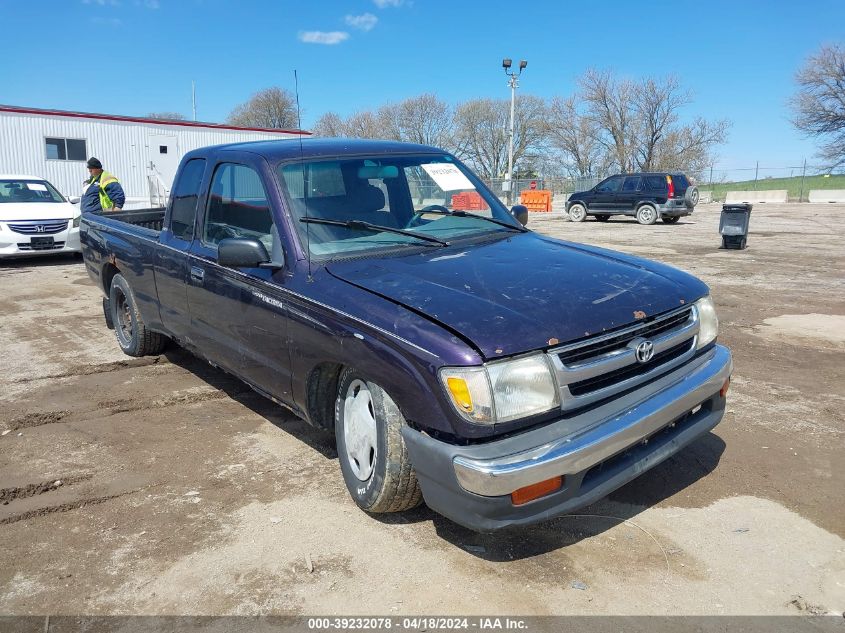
point(163, 486)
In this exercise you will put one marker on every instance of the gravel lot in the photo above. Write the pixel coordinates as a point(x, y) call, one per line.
point(163, 486)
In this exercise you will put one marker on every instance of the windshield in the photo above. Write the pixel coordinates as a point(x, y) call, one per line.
point(28, 191)
point(414, 193)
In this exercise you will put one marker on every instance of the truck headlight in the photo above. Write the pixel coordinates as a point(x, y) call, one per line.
point(502, 391)
point(708, 322)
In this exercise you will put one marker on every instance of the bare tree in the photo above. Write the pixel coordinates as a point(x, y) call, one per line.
point(637, 123)
point(656, 105)
point(610, 109)
point(269, 108)
point(481, 132)
point(574, 137)
point(330, 124)
point(166, 116)
point(427, 120)
point(819, 105)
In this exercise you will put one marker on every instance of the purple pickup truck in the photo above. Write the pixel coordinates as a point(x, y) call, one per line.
point(502, 376)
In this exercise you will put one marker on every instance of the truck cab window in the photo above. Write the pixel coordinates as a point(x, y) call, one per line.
point(183, 209)
point(238, 206)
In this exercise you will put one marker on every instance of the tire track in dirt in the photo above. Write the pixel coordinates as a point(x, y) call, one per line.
point(64, 507)
point(37, 419)
point(30, 490)
point(178, 398)
point(87, 370)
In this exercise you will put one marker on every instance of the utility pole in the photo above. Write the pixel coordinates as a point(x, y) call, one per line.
point(194, 98)
point(803, 173)
point(513, 82)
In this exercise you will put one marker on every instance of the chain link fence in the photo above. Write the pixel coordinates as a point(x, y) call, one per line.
point(716, 181)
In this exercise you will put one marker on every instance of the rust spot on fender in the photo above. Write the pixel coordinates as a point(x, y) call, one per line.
point(639, 314)
point(553, 341)
point(683, 301)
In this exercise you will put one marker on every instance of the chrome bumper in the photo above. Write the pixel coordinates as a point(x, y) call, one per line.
point(576, 452)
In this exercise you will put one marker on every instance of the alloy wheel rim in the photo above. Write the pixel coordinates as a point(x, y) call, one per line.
point(360, 430)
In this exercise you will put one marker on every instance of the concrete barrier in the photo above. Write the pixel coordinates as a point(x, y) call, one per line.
point(705, 196)
point(827, 195)
point(770, 195)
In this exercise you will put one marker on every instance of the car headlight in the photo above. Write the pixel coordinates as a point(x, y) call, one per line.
point(76, 221)
point(502, 391)
point(708, 322)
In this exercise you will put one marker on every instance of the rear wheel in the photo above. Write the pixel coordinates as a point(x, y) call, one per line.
point(646, 214)
point(577, 213)
point(134, 338)
point(373, 457)
point(602, 217)
point(670, 219)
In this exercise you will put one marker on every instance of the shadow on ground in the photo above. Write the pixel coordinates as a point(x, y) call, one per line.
point(649, 489)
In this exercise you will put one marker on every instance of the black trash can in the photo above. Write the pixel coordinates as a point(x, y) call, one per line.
point(733, 225)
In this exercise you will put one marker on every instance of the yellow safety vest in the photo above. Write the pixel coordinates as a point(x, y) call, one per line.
point(106, 179)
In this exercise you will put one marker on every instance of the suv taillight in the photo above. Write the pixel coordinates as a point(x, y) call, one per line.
point(671, 186)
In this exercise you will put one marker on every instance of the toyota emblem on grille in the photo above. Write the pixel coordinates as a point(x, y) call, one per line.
point(644, 351)
point(39, 228)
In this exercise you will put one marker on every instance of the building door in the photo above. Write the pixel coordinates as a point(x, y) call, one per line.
point(164, 158)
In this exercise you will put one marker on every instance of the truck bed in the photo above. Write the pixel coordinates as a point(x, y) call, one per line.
point(147, 218)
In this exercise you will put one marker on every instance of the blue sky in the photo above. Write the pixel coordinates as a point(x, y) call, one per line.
point(136, 56)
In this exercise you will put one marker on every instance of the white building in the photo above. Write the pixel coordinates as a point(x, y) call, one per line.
point(142, 153)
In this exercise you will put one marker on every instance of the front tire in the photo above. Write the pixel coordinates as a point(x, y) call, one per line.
point(646, 214)
point(577, 213)
point(373, 457)
point(134, 338)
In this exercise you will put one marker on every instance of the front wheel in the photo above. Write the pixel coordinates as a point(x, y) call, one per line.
point(646, 214)
point(577, 213)
point(373, 457)
point(133, 336)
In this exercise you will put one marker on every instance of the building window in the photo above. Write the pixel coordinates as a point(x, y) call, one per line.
point(66, 149)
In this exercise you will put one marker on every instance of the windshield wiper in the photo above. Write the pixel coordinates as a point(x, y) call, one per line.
point(464, 214)
point(360, 225)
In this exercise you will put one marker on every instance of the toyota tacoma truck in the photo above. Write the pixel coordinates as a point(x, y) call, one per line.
point(502, 376)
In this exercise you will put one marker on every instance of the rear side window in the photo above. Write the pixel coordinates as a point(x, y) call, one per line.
point(656, 183)
point(183, 209)
point(237, 206)
point(632, 183)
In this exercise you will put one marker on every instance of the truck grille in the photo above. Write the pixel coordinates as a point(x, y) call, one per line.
point(604, 365)
point(38, 227)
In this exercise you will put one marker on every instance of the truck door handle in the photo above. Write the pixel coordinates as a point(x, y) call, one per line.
point(197, 273)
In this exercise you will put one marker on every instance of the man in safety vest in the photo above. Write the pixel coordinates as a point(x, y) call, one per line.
point(103, 192)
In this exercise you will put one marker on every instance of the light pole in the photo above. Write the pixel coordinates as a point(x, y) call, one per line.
point(513, 82)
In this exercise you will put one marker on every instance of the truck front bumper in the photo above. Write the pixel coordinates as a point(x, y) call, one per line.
point(616, 442)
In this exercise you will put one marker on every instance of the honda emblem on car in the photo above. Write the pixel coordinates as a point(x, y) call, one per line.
point(644, 351)
point(39, 228)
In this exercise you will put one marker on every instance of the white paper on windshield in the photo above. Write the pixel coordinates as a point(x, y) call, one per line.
point(448, 177)
point(36, 186)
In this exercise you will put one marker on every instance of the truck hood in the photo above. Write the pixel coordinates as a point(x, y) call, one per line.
point(37, 211)
point(526, 292)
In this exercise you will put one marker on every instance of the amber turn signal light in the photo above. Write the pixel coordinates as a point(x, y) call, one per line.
point(724, 390)
point(535, 491)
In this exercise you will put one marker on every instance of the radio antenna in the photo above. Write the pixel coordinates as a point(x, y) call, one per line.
point(304, 188)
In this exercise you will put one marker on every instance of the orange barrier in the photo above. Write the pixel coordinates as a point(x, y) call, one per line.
point(536, 200)
point(468, 201)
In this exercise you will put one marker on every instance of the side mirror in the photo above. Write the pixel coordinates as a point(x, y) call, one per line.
point(244, 253)
point(520, 212)
point(74, 199)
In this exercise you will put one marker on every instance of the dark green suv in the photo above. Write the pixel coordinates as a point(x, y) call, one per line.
point(648, 197)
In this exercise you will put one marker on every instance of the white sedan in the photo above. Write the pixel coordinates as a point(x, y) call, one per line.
point(35, 219)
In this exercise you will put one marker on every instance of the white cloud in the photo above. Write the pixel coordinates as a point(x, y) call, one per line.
point(384, 4)
point(323, 37)
point(365, 22)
